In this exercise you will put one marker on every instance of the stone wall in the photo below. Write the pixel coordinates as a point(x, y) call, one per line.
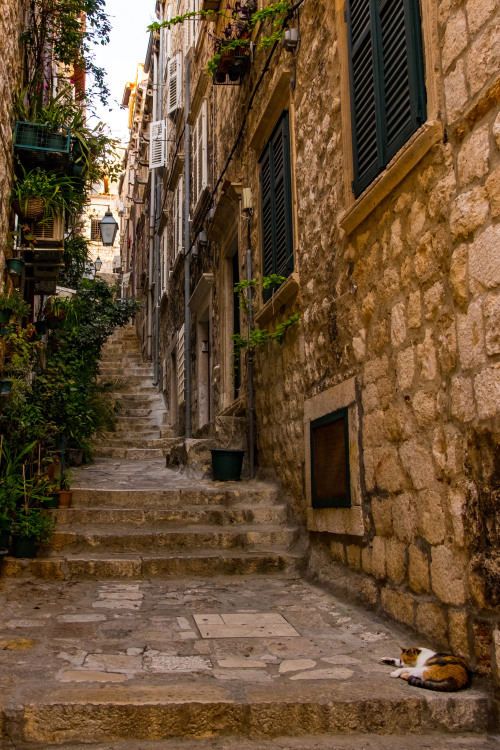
point(403, 296)
point(11, 25)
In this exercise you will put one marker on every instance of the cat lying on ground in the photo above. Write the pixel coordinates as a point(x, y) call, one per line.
point(426, 669)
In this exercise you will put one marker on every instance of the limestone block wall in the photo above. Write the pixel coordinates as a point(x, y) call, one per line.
point(11, 25)
point(401, 297)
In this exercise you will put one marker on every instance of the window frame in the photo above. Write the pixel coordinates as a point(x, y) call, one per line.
point(415, 57)
point(270, 259)
point(339, 501)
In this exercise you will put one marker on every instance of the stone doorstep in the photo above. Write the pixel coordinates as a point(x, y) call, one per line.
point(75, 713)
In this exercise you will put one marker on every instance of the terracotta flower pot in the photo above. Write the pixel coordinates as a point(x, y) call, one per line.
point(65, 497)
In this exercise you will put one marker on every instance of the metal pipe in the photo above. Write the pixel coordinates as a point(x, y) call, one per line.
point(152, 213)
point(187, 256)
point(158, 98)
point(251, 403)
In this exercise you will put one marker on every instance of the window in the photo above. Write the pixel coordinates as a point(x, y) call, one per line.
point(95, 230)
point(388, 102)
point(276, 202)
point(330, 476)
point(200, 154)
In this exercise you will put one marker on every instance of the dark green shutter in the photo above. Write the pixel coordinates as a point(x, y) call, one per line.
point(387, 81)
point(276, 202)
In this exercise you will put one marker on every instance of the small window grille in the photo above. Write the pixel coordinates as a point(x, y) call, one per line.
point(95, 230)
point(330, 474)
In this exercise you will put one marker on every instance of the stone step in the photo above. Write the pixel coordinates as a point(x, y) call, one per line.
point(94, 566)
point(129, 454)
point(189, 539)
point(134, 400)
point(229, 496)
point(370, 741)
point(216, 515)
point(180, 710)
point(123, 437)
point(139, 440)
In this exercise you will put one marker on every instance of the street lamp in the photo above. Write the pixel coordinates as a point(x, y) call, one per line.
point(109, 228)
point(98, 264)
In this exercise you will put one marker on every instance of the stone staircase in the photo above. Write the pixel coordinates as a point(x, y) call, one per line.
point(169, 612)
point(193, 531)
point(140, 431)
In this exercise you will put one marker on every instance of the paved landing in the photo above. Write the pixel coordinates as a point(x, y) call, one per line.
point(251, 640)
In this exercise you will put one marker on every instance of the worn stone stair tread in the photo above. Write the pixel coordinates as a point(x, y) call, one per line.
point(189, 708)
point(189, 530)
point(240, 513)
point(427, 741)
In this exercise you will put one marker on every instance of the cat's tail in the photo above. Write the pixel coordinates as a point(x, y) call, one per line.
point(448, 685)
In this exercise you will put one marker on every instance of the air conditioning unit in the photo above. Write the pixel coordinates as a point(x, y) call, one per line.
point(49, 233)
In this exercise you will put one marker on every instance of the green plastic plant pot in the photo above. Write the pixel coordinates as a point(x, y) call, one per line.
point(4, 539)
point(5, 316)
point(52, 501)
point(5, 386)
point(15, 266)
point(24, 546)
point(227, 464)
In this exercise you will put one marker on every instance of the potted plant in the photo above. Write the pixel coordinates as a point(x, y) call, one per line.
point(13, 305)
point(38, 194)
point(30, 527)
point(65, 493)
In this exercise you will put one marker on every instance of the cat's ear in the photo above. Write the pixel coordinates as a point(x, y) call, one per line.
point(402, 649)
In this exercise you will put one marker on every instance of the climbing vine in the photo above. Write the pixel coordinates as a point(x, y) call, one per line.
point(259, 338)
point(241, 19)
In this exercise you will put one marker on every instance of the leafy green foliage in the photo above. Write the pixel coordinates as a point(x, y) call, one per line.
point(242, 18)
point(14, 303)
point(60, 192)
point(57, 24)
point(258, 339)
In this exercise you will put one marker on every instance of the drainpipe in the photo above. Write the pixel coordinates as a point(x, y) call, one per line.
point(251, 404)
point(152, 216)
point(158, 97)
point(187, 257)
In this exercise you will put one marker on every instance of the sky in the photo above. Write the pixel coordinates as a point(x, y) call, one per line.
point(127, 48)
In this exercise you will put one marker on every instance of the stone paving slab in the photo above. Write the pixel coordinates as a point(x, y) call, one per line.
point(130, 659)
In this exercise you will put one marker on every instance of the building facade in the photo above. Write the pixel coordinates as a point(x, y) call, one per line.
point(358, 158)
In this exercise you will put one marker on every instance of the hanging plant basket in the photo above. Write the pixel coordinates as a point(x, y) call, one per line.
point(15, 266)
point(29, 209)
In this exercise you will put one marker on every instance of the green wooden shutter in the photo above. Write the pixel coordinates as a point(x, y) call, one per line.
point(387, 81)
point(276, 203)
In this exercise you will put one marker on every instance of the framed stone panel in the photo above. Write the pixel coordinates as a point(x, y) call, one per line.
point(334, 404)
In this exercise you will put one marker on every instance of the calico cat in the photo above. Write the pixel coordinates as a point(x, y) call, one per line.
point(426, 669)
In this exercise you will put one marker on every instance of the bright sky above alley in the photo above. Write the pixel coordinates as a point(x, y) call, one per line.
point(127, 48)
